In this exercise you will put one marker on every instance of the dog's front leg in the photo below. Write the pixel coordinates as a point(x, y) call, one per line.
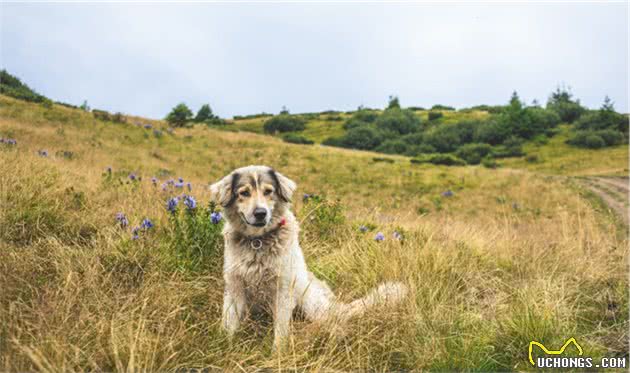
point(283, 311)
point(233, 306)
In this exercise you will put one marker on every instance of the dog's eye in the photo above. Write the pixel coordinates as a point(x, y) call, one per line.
point(245, 193)
point(268, 192)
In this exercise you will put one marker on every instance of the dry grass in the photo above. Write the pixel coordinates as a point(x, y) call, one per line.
point(512, 256)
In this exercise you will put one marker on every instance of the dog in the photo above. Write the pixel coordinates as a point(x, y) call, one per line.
point(264, 266)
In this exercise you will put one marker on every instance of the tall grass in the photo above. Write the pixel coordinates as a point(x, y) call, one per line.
point(510, 257)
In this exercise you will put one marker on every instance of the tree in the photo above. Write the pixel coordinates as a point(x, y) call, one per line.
point(393, 103)
point(561, 101)
point(204, 114)
point(179, 115)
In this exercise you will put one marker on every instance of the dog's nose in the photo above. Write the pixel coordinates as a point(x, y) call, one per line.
point(260, 213)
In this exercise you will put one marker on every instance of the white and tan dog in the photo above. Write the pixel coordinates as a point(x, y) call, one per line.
point(264, 267)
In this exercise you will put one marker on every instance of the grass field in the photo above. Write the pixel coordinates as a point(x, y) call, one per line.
point(515, 254)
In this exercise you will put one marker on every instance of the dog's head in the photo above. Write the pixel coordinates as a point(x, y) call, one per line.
point(253, 195)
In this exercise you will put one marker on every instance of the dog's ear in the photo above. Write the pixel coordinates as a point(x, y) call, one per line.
point(284, 186)
point(223, 191)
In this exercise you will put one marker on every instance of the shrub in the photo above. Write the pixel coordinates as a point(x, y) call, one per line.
point(395, 146)
point(297, 139)
point(101, 115)
point(284, 123)
point(440, 159)
point(365, 138)
point(434, 115)
point(473, 153)
point(489, 162)
point(532, 158)
point(448, 137)
point(611, 137)
point(179, 116)
point(402, 121)
point(442, 107)
point(561, 101)
point(587, 139)
point(512, 147)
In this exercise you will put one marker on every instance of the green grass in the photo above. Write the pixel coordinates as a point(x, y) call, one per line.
point(514, 255)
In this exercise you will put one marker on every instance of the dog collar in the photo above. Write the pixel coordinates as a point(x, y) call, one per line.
point(257, 243)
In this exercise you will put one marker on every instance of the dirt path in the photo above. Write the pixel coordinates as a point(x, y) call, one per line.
point(612, 190)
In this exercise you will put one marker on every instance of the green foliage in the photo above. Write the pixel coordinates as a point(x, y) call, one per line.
point(440, 159)
point(401, 121)
point(179, 116)
point(195, 239)
point(297, 139)
point(284, 123)
point(393, 146)
point(434, 115)
point(393, 103)
point(442, 107)
point(473, 153)
point(364, 138)
point(561, 101)
point(204, 114)
point(596, 139)
point(12, 86)
point(489, 162)
point(323, 218)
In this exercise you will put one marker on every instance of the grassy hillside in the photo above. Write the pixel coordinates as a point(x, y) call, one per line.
point(509, 257)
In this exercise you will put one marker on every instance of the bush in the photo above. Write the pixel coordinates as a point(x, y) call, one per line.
point(489, 162)
point(440, 159)
point(284, 123)
point(561, 101)
point(448, 137)
point(204, 114)
point(401, 121)
point(364, 138)
point(434, 115)
point(179, 115)
point(395, 146)
point(442, 107)
point(587, 139)
point(473, 153)
point(611, 137)
point(512, 147)
point(297, 139)
point(101, 115)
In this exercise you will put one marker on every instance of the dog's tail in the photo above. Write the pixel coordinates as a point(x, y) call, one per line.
point(388, 293)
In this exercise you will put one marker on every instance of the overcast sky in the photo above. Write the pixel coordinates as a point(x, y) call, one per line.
point(248, 58)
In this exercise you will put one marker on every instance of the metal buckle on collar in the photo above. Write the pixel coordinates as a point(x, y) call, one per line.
point(256, 244)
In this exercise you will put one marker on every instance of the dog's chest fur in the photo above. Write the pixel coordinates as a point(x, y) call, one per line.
point(258, 269)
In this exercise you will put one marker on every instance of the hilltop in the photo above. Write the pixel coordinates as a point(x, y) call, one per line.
point(495, 257)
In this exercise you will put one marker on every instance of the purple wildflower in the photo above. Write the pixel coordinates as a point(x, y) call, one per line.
point(147, 224)
point(134, 233)
point(379, 237)
point(190, 202)
point(398, 236)
point(122, 220)
point(170, 182)
point(363, 229)
point(148, 126)
point(447, 193)
point(42, 153)
point(305, 197)
point(215, 217)
point(108, 169)
point(154, 180)
point(171, 205)
point(132, 176)
point(189, 186)
point(181, 180)
point(179, 185)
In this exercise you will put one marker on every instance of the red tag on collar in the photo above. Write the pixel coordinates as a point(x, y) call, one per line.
point(283, 222)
